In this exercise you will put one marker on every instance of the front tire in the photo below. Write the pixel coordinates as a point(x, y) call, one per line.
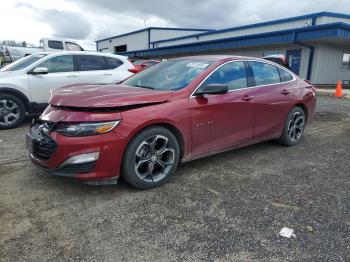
point(294, 127)
point(151, 158)
point(12, 111)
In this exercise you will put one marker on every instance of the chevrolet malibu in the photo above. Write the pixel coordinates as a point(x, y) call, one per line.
point(176, 111)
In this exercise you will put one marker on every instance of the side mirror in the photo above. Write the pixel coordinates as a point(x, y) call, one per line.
point(212, 89)
point(39, 71)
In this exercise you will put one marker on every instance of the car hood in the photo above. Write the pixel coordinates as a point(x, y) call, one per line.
point(106, 96)
point(6, 73)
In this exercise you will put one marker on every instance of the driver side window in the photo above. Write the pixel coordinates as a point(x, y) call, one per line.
point(232, 74)
point(59, 64)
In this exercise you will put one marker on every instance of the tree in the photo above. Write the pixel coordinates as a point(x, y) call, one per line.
point(13, 43)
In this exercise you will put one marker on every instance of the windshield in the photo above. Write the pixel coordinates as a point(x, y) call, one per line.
point(22, 63)
point(169, 75)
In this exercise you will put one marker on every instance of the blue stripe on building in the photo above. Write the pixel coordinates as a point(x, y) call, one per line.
point(333, 30)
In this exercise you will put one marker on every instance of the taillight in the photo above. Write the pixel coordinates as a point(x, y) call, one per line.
point(134, 70)
point(308, 81)
point(310, 86)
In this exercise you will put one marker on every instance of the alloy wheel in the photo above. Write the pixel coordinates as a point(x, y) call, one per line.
point(9, 112)
point(154, 158)
point(296, 126)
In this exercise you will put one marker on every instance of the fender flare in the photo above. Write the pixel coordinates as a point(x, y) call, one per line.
point(17, 93)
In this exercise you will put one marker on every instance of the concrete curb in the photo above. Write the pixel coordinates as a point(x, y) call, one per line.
point(323, 92)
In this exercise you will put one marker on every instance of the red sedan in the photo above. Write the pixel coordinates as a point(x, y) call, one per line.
point(176, 111)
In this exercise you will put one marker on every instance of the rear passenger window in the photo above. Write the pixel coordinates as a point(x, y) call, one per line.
point(113, 62)
point(91, 62)
point(73, 47)
point(285, 76)
point(265, 74)
point(232, 74)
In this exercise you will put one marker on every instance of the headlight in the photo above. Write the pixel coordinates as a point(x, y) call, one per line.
point(87, 128)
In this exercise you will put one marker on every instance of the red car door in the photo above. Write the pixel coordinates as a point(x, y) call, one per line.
point(223, 121)
point(274, 97)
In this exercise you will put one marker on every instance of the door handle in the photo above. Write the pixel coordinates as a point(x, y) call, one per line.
point(107, 74)
point(247, 98)
point(72, 75)
point(285, 92)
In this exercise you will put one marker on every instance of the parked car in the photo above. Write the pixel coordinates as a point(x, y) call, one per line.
point(176, 111)
point(141, 65)
point(278, 59)
point(13, 53)
point(25, 85)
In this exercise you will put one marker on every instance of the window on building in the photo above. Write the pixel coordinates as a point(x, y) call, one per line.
point(232, 74)
point(120, 48)
point(59, 64)
point(346, 61)
point(91, 62)
point(55, 44)
point(265, 74)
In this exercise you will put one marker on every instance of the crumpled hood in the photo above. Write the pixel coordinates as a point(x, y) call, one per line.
point(102, 96)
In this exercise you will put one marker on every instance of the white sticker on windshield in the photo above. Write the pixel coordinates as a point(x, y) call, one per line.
point(197, 65)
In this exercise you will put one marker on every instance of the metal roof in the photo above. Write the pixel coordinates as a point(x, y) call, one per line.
point(333, 30)
point(273, 22)
point(155, 28)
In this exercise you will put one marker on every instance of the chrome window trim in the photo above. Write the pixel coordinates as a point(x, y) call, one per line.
point(247, 60)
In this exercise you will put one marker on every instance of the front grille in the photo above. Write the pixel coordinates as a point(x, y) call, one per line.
point(78, 168)
point(43, 146)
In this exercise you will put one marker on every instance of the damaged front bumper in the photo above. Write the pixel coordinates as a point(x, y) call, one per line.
point(93, 160)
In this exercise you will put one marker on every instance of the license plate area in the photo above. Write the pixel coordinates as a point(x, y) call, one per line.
point(39, 145)
point(29, 143)
point(32, 137)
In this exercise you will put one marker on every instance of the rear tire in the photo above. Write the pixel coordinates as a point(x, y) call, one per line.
point(151, 158)
point(294, 126)
point(12, 111)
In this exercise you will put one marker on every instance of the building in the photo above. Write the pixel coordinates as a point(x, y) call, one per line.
point(142, 39)
point(316, 45)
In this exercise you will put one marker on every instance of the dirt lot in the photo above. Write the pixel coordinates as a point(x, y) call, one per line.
point(228, 207)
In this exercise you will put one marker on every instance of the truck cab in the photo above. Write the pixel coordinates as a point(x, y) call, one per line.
point(55, 44)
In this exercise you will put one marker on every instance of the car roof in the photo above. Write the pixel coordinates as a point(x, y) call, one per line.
point(219, 58)
point(275, 56)
point(79, 53)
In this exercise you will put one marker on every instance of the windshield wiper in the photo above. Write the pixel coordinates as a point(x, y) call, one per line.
point(148, 87)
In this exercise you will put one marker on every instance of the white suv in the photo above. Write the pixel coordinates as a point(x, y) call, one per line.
point(25, 85)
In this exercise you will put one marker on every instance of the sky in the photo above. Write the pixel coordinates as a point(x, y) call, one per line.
point(89, 20)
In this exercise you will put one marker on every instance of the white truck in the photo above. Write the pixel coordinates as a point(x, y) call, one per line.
point(13, 53)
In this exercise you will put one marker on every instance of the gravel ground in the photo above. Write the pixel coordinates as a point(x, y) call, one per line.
point(228, 207)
